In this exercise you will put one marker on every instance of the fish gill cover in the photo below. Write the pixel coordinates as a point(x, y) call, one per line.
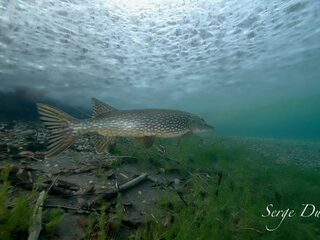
point(231, 61)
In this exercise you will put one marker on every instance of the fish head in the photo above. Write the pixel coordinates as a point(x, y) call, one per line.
point(198, 125)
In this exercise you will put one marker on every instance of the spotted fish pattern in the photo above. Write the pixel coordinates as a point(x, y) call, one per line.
point(138, 123)
point(110, 122)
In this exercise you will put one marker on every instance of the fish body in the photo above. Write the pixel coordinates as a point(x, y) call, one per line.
point(138, 123)
point(110, 122)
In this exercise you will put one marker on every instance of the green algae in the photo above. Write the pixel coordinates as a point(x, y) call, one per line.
point(229, 204)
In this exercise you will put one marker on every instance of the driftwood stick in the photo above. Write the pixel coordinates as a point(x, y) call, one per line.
point(252, 229)
point(219, 183)
point(181, 197)
point(132, 183)
point(126, 186)
point(78, 170)
point(35, 226)
point(19, 176)
point(77, 210)
point(53, 182)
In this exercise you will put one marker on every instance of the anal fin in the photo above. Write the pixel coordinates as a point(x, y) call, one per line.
point(105, 144)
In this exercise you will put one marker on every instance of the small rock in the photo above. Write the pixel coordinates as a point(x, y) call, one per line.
point(13, 149)
point(127, 204)
point(25, 154)
point(81, 201)
point(110, 174)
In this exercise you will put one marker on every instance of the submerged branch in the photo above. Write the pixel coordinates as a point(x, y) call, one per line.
point(77, 210)
point(123, 188)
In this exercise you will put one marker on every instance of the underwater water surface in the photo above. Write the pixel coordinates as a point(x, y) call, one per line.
point(249, 68)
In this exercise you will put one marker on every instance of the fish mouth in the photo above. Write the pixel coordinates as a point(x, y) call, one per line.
point(203, 129)
point(208, 128)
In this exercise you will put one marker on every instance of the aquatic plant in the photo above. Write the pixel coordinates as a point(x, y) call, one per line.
point(102, 234)
point(16, 211)
point(101, 226)
point(226, 193)
point(52, 219)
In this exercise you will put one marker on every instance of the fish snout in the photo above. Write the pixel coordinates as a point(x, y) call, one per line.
point(208, 128)
point(203, 128)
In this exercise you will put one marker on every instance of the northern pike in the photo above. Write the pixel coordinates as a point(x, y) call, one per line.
point(146, 124)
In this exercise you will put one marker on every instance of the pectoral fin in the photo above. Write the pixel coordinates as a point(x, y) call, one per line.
point(147, 141)
point(184, 135)
point(179, 141)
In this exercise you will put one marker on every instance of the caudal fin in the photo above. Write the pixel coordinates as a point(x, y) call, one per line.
point(60, 126)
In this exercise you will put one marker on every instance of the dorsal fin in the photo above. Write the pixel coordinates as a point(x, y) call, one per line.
point(100, 108)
